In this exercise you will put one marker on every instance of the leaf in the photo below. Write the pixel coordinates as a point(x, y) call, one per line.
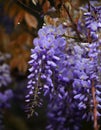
point(51, 21)
point(57, 2)
point(40, 2)
point(12, 9)
point(19, 48)
point(19, 17)
point(68, 5)
point(19, 62)
point(46, 6)
point(63, 13)
point(35, 2)
point(31, 20)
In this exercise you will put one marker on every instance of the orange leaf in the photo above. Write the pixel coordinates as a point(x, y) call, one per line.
point(57, 2)
point(31, 20)
point(51, 21)
point(46, 6)
point(35, 2)
point(19, 17)
point(40, 2)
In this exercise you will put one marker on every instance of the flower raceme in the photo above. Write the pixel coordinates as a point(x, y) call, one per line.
point(48, 51)
point(6, 94)
point(5, 77)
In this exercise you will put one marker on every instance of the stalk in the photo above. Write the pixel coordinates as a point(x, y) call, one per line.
point(95, 107)
point(73, 23)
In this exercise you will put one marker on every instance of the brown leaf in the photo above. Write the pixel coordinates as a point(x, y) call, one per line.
point(31, 20)
point(19, 17)
point(19, 48)
point(46, 6)
point(40, 2)
point(63, 13)
point(68, 5)
point(20, 63)
point(35, 2)
point(51, 21)
point(12, 10)
point(57, 2)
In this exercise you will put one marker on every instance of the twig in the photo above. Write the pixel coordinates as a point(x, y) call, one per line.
point(30, 10)
point(95, 107)
point(73, 24)
point(89, 36)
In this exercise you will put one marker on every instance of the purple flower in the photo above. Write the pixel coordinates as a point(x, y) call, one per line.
point(93, 21)
point(5, 98)
point(62, 112)
point(45, 58)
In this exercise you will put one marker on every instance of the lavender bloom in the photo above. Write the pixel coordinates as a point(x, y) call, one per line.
point(77, 64)
point(5, 78)
point(4, 57)
point(93, 21)
point(5, 97)
point(62, 112)
point(45, 57)
point(91, 68)
point(95, 50)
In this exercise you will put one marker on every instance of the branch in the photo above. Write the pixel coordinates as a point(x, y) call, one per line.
point(30, 10)
point(73, 24)
point(95, 107)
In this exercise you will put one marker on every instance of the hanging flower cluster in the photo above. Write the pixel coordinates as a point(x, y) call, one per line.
point(69, 74)
point(5, 79)
point(45, 56)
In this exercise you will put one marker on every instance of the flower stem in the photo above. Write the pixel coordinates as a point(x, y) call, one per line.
point(95, 107)
point(73, 23)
